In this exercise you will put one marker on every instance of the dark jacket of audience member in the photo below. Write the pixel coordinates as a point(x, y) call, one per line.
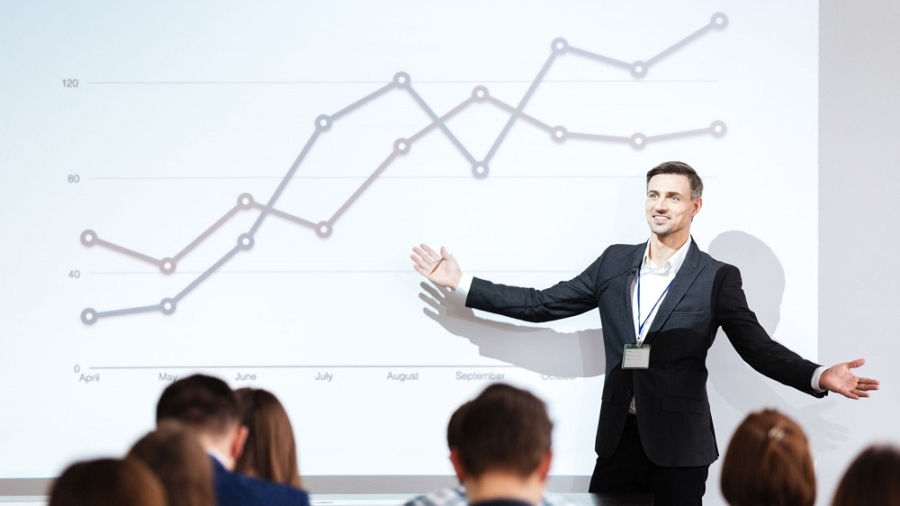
point(768, 462)
point(209, 407)
point(107, 482)
point(175, 455)
point(271, 451)
point(873, 479)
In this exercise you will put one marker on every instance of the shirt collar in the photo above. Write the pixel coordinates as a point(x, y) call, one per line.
point(674, 262)
point(221, 459)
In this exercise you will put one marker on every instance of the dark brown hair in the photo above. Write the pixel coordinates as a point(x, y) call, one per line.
point(107, 482)
point(271, 451)
point(453, 426)
point(871, 480)
point(202, 402)
point(768, 462)
point(682, 169)
point(506, 429)
point(175, 455)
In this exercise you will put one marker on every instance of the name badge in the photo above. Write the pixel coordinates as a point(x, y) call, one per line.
point(636, 356)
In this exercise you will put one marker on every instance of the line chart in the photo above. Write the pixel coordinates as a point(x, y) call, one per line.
point(480, 168)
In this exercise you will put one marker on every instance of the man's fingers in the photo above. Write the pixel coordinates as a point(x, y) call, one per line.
point(421, 255)
point(426, 254)
point(432, 253)
point(856, 363)
point(422, 270)
point(867, 384)
point(418, 260)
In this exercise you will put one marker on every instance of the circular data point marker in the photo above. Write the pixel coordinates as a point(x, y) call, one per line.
point(559, 45)
point(323, 123)
point(638, 141)
point(401, 146)
point(323, 229)
point(167, 306)
point(167, 265)
point(480, 170)
point(245, 201)
point(88, 238)
point(719, 20)
point(638, 69)
point(401, 79)
point(480, 93)
point(718, 128)
point(245, 241)
point(89, 316)
point(559, 134)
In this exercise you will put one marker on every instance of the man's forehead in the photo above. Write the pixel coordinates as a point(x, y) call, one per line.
point(670, 183)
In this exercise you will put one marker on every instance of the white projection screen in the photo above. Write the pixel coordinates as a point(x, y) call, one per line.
point(234, 188)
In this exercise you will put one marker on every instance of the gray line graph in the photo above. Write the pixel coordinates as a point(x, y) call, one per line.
point(479, 168)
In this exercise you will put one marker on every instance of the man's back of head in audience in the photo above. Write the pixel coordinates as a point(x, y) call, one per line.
point(208, 406)
point(502, 445)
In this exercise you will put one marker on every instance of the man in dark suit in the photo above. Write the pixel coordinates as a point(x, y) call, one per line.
point(209, 407)
point(661, 304)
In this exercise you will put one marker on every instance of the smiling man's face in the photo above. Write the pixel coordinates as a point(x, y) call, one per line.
point(669, 206)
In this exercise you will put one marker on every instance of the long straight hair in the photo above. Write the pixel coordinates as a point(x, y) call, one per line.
point(271, 451)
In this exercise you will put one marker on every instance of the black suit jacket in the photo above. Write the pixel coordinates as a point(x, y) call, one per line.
point(235, 489)
point(674, 419)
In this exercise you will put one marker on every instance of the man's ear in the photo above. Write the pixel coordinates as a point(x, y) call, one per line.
point(544, 467)
point(698, 203)
point(238, 442)
point(457, 465)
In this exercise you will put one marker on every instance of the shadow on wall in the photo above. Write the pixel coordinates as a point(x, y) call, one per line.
point(737, 383)
point(539, 349)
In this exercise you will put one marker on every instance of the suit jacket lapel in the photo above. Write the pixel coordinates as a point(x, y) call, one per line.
point(686, 276)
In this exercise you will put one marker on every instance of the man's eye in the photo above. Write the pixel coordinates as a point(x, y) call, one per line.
point(674, 199)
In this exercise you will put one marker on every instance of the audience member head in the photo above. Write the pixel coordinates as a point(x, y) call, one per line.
point(768, 462)
point(175, 455)
point(271, 451)
point(107, 482)
point(503, 445)
point(208, 406)
point(871, 480)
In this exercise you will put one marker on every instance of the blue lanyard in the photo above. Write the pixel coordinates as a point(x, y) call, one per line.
point(642, 323)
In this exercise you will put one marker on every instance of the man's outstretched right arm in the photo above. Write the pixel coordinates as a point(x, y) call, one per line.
point(565, 299)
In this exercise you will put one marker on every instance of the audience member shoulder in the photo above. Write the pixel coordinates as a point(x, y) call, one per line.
point(236, 489)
